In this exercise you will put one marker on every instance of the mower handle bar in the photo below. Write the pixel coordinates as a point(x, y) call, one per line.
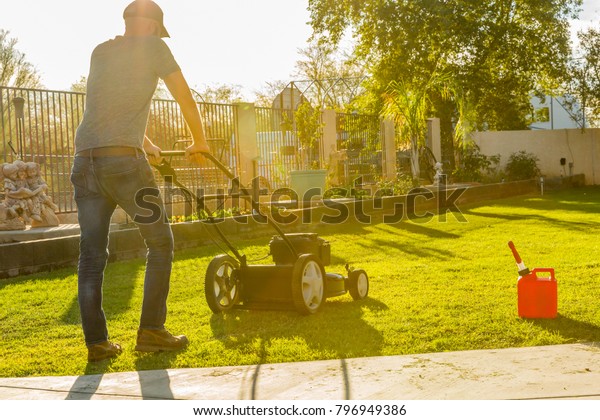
point(217, 162)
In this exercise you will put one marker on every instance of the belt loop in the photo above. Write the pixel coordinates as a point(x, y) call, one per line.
point(91, 157)
point(137, 153)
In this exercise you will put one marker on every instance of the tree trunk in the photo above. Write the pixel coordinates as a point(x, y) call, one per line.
point(416, 170)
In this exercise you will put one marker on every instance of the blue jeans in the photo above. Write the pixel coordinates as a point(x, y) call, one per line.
point(100, 185)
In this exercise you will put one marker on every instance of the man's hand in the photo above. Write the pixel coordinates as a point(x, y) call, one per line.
point(152, 152)
point(194, 153)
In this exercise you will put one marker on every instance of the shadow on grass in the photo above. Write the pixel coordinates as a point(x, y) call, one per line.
point(580, 226)
point(580, 200)
point(337, 329)
point(408, 246)
point(583, 200)
point(570, 329)
point(43, 277)
point(419, 228)
point(393, 247)
point(119, 284)
point(415, 225)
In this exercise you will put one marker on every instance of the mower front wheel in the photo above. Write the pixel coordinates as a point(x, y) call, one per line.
point(221, 283)
point(358, 284)
point(308, 284)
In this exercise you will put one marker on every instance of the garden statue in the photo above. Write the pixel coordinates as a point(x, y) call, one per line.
point(9, 219)
point(39, 187)
point(14, 197)
point(439, 177)
point(8, 222)
point(25, 199)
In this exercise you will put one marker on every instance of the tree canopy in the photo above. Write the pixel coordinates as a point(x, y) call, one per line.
point(583, 82)
point(15, 70)
point(221, 93)
point(498, 51)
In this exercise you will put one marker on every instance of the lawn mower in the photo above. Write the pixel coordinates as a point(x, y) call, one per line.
point(297, 280)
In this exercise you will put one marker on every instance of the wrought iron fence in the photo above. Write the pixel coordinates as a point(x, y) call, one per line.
point(167, 129)
point(41, 127)
point(360, 136)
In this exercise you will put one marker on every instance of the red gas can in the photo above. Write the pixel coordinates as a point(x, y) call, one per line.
point(537, 294)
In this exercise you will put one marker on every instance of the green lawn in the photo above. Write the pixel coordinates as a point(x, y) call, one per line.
point(435, 286)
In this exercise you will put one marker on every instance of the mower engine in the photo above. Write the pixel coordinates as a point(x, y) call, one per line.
point(304, 243)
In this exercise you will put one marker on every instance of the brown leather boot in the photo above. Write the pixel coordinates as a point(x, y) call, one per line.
point(159, 340)
point(102, 351)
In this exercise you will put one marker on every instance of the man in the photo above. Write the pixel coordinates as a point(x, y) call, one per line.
point(111, 167)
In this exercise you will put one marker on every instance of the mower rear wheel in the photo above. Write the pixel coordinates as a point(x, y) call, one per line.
point(221, 283)
point(358, 284)
point(308, 284)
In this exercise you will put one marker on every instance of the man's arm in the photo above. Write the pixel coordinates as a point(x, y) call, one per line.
point(180, 90)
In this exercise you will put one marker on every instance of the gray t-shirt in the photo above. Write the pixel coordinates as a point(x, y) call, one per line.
point(124, 73)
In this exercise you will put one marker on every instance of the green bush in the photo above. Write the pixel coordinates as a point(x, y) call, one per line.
point(474, 165)
point(399, 186)
point(522, 165)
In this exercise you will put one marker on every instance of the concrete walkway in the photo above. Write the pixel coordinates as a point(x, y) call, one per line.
point(552, 372)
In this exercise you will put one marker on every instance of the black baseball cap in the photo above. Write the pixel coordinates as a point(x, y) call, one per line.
point(146, 9)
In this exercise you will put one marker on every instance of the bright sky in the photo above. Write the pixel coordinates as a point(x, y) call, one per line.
point(243, 42)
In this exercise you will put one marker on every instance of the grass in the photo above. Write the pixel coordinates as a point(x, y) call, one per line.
point(435, 286)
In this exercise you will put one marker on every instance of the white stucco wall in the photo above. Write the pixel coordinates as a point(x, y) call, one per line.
point(581, 149)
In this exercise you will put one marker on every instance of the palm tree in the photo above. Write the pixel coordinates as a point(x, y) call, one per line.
point(408, 104)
